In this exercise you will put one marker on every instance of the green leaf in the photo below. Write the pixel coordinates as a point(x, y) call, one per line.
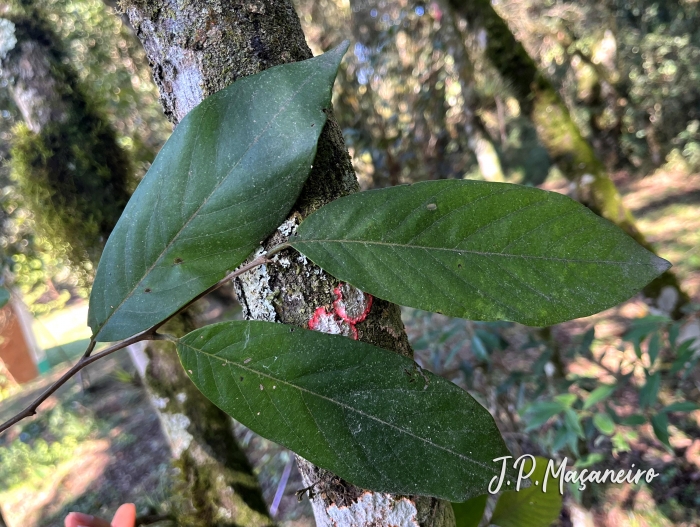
point(530, 507)
point(604, 423)
point(562, 438)
point(478, 250)
point(649, 392)
point(681, 406)
point(654, 348)
point(539, 413)
point(573, 422)
point(659, 423)
point(599, 394)
point(684, 353)
point(368, 415)
point(633, 420)
point(4, 296)
point(469, 513)
point(567, 399)
point(227, 177)
point(641, 327)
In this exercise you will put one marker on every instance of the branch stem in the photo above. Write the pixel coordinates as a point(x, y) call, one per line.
point(149, 334)
point(82, 363)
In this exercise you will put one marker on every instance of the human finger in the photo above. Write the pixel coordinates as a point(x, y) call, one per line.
point(125, 516)
point(78, 519)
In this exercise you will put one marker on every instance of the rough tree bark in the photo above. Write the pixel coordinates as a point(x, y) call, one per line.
point(199, 47)
point(560, 135)
point(215, 475)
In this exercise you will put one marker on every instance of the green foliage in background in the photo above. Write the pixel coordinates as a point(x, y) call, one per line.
point(52, 438)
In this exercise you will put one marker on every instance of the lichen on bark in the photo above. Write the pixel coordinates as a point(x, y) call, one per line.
point(199, 47)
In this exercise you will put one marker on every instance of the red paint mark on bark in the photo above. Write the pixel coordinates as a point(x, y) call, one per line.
point(351, 306)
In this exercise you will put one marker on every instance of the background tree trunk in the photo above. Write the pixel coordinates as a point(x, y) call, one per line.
point(76, 199)
point(199, 48)
point(216, 479)
point(561, 136)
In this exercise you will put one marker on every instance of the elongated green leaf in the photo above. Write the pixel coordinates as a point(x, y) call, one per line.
point(368, 415)
point(681, 406)
point(659, 423)
point(530, 507)
point(478, 250)
point(601, 393)
point(226, 178)
point(4, 296)
point(604, 423)
point(650, 391)
point(633, 420)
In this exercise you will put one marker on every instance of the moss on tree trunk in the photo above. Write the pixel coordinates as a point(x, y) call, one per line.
point(199, 47)
point(70, 171)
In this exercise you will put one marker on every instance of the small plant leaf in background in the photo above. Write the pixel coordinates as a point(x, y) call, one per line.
point(226, 178)
point(599, 394)
point(633, 420)
point(478, 250)
point(682, 406)
point(604, 423)
point(654, 348)
point(659, 423)
point(573, 422)
point(530, 507)
point(650, 391)
point(538, 413)
point(4, 296)
point(469, 513)
point(369, 415)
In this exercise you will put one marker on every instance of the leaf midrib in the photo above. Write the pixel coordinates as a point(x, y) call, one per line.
point(338, 403)
point(301, 240)
point(206, 200)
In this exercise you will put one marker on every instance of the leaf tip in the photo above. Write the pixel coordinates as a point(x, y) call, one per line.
point(661, 265)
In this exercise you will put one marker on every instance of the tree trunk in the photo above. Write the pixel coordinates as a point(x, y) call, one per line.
point(216, 484)
point(75, 198)
point(479, 140)
point(200, 47)
point(216, 478)
point(561, 136)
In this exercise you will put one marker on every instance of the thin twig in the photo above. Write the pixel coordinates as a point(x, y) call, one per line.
point(84, 361)
point(149, 334)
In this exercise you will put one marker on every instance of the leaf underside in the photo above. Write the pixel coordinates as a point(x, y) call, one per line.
point(478, 250)
point(227, 177)
point(364, 413)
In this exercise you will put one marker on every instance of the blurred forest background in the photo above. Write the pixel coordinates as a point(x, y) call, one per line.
point(598, 99)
